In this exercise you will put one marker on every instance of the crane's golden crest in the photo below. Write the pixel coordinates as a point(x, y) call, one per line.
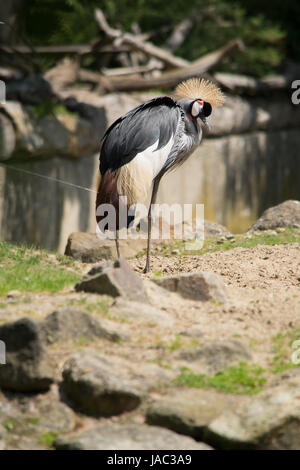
point(200, 88)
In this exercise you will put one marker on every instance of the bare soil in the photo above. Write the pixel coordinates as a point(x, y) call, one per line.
point(263, 288)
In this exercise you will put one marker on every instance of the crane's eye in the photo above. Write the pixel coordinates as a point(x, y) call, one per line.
point(207, 109)
point(197, 108)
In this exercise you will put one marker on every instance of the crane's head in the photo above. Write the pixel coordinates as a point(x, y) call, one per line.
point(198, 97)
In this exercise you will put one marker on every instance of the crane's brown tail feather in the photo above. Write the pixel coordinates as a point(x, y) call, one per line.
point(108, 194)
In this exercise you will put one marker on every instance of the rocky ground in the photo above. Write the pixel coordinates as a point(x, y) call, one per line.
point(195, 355)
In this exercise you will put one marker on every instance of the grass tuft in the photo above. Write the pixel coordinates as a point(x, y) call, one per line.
point(211, 244)
point(30, 270)
point(244, 379)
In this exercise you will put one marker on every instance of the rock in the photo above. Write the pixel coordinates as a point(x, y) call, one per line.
point(140, 312)
point(216, 355)
point(286, 214)
point(2, 435)
point(269, 421)
point(112, 436)
point(69, 323)
point(191, 230)
point(12, 294)
point(94, 385)
point(58, 132)
point(114, 278)
point(213, 229)
point(88, 248)
point(31, 90)
point(62, 74)
point(193, 332)
point(27, 367)
point(57, 418)
point(187, 411)
point(7, 137)
point(197, 286)
point(31, 431)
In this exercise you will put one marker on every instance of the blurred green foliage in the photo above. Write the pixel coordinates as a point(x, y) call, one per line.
point(270, 30)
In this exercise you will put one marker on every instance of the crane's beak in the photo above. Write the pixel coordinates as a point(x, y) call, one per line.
point(203, 119)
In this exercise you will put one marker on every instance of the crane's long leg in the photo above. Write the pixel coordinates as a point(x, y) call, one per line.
point(153, 199)
point(117, 243)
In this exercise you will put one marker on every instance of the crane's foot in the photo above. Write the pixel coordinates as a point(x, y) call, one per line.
point(146, 268)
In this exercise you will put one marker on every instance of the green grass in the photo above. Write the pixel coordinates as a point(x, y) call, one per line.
point(48, 438)
point(211, 244)
point(177, 343)
point(9, 425)
point(282, 350)
point(244, 379)
point(30, 270)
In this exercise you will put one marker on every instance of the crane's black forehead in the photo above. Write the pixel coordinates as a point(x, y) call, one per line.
point(153, 121)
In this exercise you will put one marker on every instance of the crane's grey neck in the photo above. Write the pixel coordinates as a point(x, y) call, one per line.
point(192, 126)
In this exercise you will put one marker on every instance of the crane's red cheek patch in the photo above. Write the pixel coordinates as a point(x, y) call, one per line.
point(190, 117)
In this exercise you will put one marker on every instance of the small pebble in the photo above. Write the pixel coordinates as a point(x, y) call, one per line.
point(13, 293)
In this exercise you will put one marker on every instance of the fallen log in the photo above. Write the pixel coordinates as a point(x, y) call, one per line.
point(167, 79)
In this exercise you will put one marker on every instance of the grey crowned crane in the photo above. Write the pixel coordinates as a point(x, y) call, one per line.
point(155, 137)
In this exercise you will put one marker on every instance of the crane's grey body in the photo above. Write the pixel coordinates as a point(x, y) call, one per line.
point(158, 120)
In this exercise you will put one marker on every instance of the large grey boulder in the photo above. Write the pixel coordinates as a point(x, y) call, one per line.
point(286, 214)
point(187, 411)
point(27, 368)
point(94, 385)
point(67, 324)
point(215, 355)
point(268, 421)
point(112, 436)
point(114, 278)
point(33, 89)
point(34, 430)
point(29, 365)
point(88, 248)
point(201, 286)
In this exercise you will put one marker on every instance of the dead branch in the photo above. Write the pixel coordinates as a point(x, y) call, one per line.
point(80, 49)
point(123, 71)
point(179, 34)
point(136, 44)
